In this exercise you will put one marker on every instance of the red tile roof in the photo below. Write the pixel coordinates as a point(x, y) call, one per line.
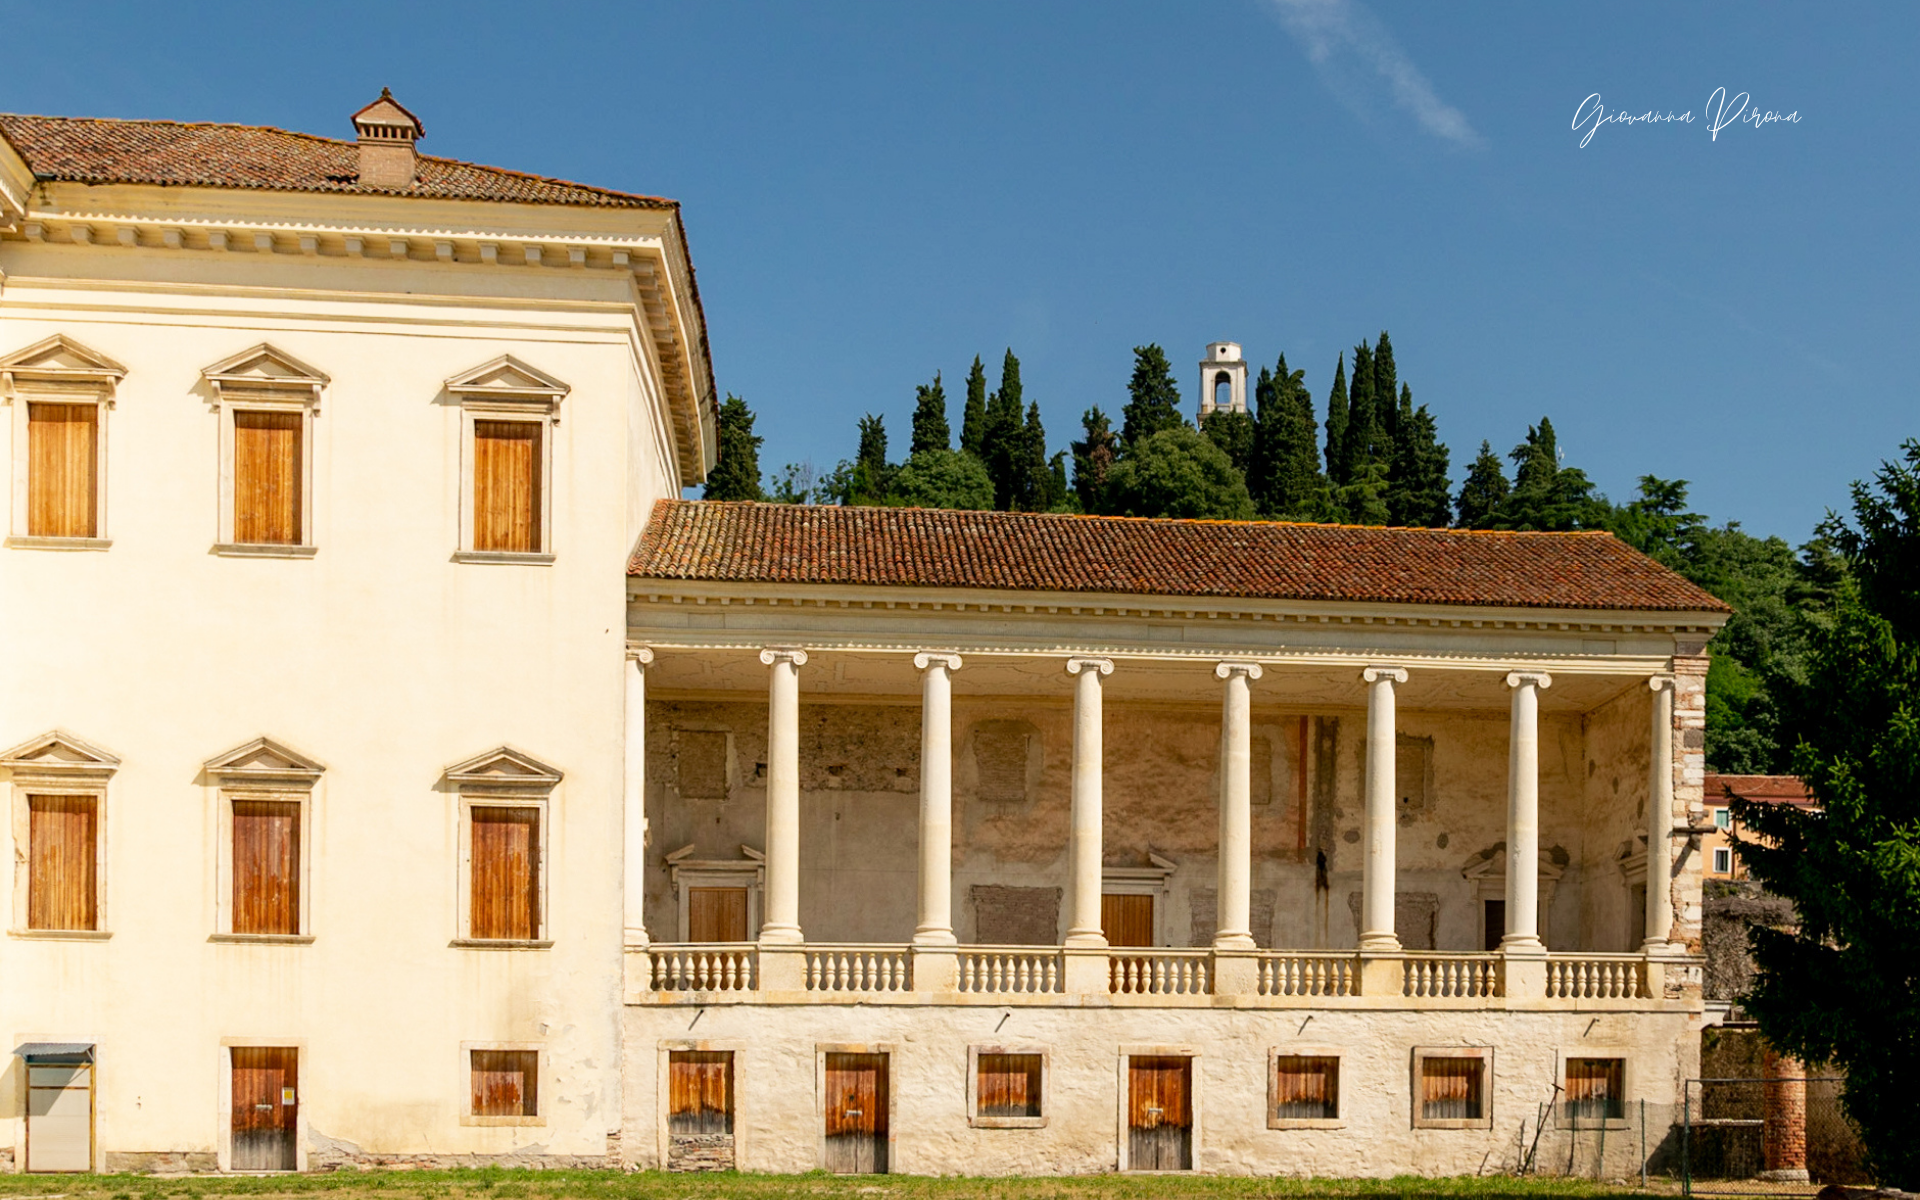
point(171, 154)
point(917, 547)
point(1775, 789)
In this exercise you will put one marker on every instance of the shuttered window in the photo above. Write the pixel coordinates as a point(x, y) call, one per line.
point(62, 861)
point(267, 477)
point(1306, 1088)
point(716, 914)
point(505, 901)
point(506, 1083)
point(699, 1092)
point(1452, 1089)
point(1596, 1089)
point(506, 486)
point(266, 866)
point(1007, 1085)
point(63, 442)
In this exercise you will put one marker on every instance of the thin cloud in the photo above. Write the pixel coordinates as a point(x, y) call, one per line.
point(1352, 51)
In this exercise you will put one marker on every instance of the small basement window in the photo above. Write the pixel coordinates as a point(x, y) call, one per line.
point(1596, 1092)
point(1452, 1088)
point(1306, 1089)
point(505, 1083)
point(1008, 1088)
point(699, 1092)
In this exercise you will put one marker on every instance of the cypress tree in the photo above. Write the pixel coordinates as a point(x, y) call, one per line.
point(930, 430)
point(1289, 439)
point(1386, 389)
point(1093, 457)
point(1418, 491)
point(736, 475)
point(1483, 492)
point(871, 473)
point(1153, 402)
point(1001, 436)
point(1266, 418)
point(1033, 479)
point(1338, 419)
point(973, 417)
point(1233, 432)
point(1363, 416)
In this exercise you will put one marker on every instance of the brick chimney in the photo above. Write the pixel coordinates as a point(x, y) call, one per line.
point(386, 136)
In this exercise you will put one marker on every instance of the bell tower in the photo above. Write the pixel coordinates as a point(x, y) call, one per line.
point(1223, 365)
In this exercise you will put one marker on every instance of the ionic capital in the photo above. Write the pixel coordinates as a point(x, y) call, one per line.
point(791, 654)
point(1659, 682)
point(1227, 670)
point(936, 658)
point(639, 654)
point(1539, 679)
point(1103, 666)
point(1384, 674)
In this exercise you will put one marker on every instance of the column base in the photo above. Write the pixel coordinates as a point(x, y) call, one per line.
point(1088, 972)
point(782, 935)
point(1234, 941)
point(783, 968)
point(1383, 973)
point(935, 969)
point(1785, 1175)
point(1523, 946)
point(1380, 943)
point(1082, 940)
point(636, 939)
point(934, 939)
point(1236, 971)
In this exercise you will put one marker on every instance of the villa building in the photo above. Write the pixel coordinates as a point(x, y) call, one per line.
point(401, 772)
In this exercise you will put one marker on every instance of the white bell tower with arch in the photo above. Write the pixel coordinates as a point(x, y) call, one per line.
point(1223, 366)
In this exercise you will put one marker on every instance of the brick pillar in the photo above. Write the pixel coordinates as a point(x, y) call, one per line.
point(1783, 1118)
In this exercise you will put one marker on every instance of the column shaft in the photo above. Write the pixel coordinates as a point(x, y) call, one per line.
point(1376, 894)
point(1523, 814)
point(1234, 929)
point(1660, 818)
point(1085, 852)
point(633, 806)
point(935, 927)
point(780, 922)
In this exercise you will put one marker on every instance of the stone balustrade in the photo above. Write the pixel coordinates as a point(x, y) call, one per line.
point(741, 973)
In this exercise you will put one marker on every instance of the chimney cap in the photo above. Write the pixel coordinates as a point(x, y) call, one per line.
point(387, 120)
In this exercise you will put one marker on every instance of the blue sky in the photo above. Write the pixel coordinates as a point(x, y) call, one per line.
point(878, 191)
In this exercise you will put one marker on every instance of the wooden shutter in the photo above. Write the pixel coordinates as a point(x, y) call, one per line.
point(506, 485)
point(716, 914)
point(1306, 1087)
point(856, 1115)
point(506, 1083)
point(266, 1081)
point(1596, 1089)
point(700, 1092)
point(506, 873)
point(1127, 920)
point(267, 476)
point(1007, 1085)
point(1452, 1089)
point(62, 458)
point(63, 858)
point(266, 866)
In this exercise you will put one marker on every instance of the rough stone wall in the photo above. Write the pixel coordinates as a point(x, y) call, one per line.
point(700, 1152)
point(1689, 793)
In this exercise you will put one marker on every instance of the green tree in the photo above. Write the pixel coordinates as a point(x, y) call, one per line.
point(1177, 472)
point(941, 479)
point(1418, 490)
point(1285, 480)
point(1484, 490)
point(1386, 390)
point(930, 430)
point(796, 485)
point(1843, 984)
point(865, 479)
point(973, 417)
point(1002, 441)
point(1545, 494)
point(1233, 432)
point(736, 476)
point(1153, 402)
point(1093, 458)
point(1363, 424)
point(1339, 417)
point(1032, 475)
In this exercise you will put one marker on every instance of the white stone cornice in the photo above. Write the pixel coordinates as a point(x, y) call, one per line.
point(1389, 674)
point(1102, 666)
point(791, 654)
point(1539, 679)
point(1228, 670)
point(928, 658)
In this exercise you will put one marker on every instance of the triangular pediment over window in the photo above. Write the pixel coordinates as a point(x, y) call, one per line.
point(57, 753)
point(507, 378)
point(60, 359)
point(266, 761)
point(505, 768)
point(266, 367)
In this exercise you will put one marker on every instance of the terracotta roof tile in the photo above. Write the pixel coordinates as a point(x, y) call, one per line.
point(1767, 789)
point(172, 154)
point(916, 547)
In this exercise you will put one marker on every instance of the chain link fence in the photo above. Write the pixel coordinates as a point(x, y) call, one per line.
point(1767, 1137)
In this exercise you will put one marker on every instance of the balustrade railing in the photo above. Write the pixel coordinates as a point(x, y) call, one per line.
point(1010, 970)
point(1160, 973)
point(1452, 976)
point(1596, 977)
point(859, 969)
point(702, 968)
point(1293, 974)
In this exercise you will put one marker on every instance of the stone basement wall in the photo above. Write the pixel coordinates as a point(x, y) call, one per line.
point(162, 1162)
point(700, 1152)
point(335, 1154)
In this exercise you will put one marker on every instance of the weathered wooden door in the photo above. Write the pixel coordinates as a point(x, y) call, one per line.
point(266, 1108)
point(857, 1114)
point(716, 914)
point(1127, 920)
point(1159, 1113)
point(59, 1116)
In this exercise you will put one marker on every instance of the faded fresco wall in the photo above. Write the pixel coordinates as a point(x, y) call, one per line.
point(1618, 736)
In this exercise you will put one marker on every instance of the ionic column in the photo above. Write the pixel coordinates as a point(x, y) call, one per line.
point(633, 798)
point(1523, 814)
point(780, 924)
point(1660, 817)
point(1084, 853)
point(1234, 930)
point(1376, 892)
point(936, 799)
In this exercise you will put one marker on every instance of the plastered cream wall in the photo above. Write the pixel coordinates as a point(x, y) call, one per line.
point(778, 1122)
point(379, 657)
point(860, 780)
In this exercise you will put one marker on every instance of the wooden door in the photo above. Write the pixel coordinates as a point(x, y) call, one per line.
point(266, 1107)
point(857, 1098)
point(1493, 917)
point(1127, 920)
point(59, 1116)
point(700, 1092)
point(266, 866)
point(716, 914)
point(1159, 1113)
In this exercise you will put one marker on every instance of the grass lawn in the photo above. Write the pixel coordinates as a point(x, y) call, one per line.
point(502, 1184)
